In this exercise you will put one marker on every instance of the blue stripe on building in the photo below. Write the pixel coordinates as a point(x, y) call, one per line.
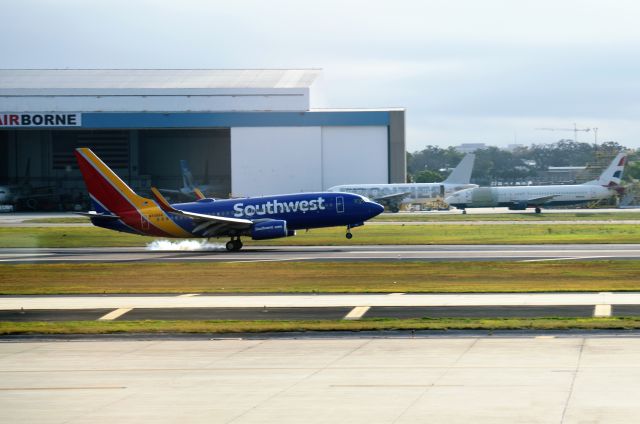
point(233, 119)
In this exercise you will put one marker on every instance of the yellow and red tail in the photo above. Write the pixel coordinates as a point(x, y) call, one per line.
point(110, 195)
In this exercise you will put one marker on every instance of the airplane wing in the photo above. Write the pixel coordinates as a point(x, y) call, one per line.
point(211, 223)
point(394, 196)
point(540, 200)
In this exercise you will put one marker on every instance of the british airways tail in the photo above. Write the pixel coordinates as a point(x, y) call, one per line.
point(612, 176)
point(461, 174)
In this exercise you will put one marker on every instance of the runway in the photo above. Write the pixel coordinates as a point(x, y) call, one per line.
point(470, 378)
point(328, 253)
point(194, 306)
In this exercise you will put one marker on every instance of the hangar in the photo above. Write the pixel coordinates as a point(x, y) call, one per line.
point(244, 132)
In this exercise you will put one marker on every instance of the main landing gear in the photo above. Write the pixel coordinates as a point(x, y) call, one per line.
point(538, 210)
point(234, 245)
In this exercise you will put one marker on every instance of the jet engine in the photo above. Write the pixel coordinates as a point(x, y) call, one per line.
point(271, 229)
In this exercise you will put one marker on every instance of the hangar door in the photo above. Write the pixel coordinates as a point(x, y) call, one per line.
point(278, 160)
point(206, 152)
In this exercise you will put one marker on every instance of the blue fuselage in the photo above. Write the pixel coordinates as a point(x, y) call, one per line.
point(300, 211)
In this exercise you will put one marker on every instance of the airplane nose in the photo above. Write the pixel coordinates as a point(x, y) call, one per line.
point(376, 208)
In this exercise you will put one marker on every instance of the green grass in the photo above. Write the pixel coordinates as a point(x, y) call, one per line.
point(222, 327)
point(69, 220)
point(524, 216)
point(372, 234)
point(320, 277)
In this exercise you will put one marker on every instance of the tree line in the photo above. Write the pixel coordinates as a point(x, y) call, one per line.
point(433, 163)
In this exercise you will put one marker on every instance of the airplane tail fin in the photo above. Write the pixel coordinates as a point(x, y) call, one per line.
point(109, 194)
point(187, 177)
point(461, 174)
point(612, 176)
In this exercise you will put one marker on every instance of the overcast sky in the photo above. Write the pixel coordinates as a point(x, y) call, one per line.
point(467, 71)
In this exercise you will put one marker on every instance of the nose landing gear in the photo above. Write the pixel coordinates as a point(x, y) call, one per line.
point(348, 235)
point(234, 245)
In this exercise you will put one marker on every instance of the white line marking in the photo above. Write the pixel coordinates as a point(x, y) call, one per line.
point(545, 337)
point(548, 259)
point(263, 260)
point(189, 295)
point(396, 294)
point(114, 314)
point(357, 312)
point(602, 311)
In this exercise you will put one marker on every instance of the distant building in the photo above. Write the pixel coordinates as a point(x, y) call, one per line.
point(247, 131)
point(514, 147)
point(470, 147)
point(559, 175)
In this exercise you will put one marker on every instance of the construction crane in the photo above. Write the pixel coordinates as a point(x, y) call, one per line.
point(575, 130)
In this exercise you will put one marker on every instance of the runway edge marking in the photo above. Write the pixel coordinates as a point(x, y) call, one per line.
point(601, 311)
point(357, 312)
point(115, 314)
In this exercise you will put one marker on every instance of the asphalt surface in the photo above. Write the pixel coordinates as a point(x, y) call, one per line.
point(327, 253)
point(316, 306)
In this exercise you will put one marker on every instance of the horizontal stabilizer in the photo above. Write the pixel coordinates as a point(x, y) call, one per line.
point(94, 214)
point(198, 193)
point(161, 201)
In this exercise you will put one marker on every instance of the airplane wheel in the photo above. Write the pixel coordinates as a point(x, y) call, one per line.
point(464, 211)
point(231, 245)
point(538, 210)
point(237, 245)
point(395, 209)
point(349, 236)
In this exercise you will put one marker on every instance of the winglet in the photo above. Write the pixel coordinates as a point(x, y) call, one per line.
point(198, 193)
point(161, 201)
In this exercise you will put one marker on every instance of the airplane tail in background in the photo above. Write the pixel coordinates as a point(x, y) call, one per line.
point(109, 194)
point(612, 176)
point(187, 177)
point(461, 174)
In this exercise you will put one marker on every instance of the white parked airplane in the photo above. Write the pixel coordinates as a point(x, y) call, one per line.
point(523, 197)
point(394, 196)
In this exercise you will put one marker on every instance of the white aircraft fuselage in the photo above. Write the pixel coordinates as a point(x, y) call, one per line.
point(521, 197)
point(413, 192)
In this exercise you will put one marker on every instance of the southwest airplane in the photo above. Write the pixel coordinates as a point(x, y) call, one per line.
point(395, 195)
point(523, 197)
point(118, 207)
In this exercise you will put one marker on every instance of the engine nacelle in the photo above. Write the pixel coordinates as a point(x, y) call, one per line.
point(271, 229)
point(518, 207)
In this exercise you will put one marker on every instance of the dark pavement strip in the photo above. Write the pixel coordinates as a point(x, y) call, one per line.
point(319, 313)
point(480, 311)
point(250, 314)
point(27, 315)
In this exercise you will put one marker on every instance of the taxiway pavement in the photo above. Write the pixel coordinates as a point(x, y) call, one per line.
point(559, 378)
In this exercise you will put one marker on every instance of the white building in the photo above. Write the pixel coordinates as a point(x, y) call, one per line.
point(249, 132)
